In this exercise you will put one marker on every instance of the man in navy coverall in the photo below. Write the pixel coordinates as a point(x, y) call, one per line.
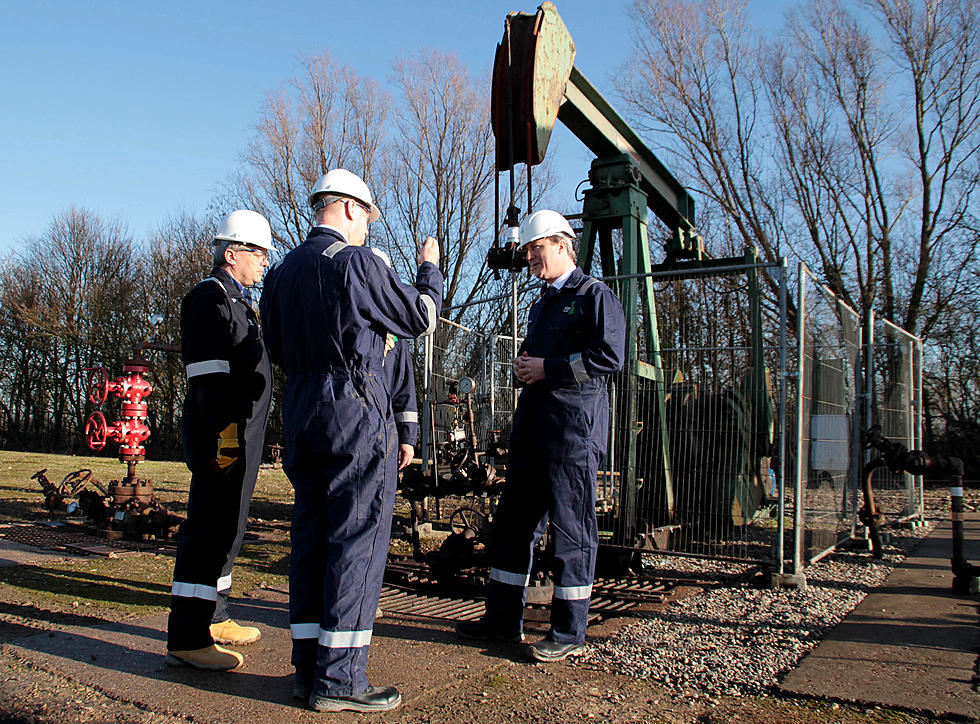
point(225, 413)
point(327, 309)
point(400, 381)
point(575, 340)
point(400, 378)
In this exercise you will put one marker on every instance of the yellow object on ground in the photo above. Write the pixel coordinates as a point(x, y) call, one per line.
point(210, 658)
point(230, 633)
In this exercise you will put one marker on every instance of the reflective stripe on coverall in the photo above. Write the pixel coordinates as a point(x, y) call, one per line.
point(326, 309)
point(228, 381)
point(557, 441)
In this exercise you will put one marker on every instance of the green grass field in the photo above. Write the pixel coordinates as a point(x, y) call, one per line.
point(127, 586)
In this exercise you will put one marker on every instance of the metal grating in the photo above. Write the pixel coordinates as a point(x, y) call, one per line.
point(410, 589)
point(71, 538)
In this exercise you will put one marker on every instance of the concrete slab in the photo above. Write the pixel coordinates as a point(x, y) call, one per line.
point(417, 655)
point(910, 643)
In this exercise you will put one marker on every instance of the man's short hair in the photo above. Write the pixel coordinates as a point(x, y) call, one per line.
point(322, 202)
point(218, 256)
point(569, 244)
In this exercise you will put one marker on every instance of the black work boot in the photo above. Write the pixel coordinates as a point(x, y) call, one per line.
point(548, 650)
point(371, 699)
point(302, 683)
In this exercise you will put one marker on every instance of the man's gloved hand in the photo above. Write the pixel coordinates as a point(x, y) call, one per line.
point(227, 452)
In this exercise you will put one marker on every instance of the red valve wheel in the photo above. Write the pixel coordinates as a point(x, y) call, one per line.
point(96, 431)
point(98, 384)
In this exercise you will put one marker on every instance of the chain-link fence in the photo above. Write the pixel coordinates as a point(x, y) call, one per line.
point(696, 423)
point(828, 449)
point(735, 426)
point(895, 404)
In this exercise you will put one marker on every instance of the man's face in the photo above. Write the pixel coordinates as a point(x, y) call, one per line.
point(547, 258)
point(248, 264)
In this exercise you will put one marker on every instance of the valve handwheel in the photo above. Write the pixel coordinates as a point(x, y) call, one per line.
point(74, 483)
point(98, 385)
point(464, 519)
point(96, 431)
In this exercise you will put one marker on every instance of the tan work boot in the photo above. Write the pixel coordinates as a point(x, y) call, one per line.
point(210, 658)
point(231, 634)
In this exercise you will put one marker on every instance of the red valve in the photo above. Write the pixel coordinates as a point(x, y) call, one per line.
point(130, 431)
point(98, 384)
point(130, 434)
point(96, 431)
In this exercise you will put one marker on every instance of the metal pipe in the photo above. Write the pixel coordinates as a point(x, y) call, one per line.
point(509, 95)
point(965, 574)
point(901, 460)
point(702, 271)
point(513, 333)
point(798, 482)
point(492, 387)
point(869, 514)
point(781, 489)
point(618, 277)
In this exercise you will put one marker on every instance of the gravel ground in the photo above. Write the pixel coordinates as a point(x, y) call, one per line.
point(738, 639)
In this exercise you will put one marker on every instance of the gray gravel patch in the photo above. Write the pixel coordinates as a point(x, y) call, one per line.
point(736, 638)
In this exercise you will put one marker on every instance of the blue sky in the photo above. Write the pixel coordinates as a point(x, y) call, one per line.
point(137, 110)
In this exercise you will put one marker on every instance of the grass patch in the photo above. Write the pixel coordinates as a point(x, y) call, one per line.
point(21, 497)
point(128, 586)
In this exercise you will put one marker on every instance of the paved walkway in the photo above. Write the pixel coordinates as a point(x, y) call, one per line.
point(910, 643)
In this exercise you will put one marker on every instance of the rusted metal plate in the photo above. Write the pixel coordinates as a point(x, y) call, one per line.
point(411, 589)
point(530, 71)
point(72, 538)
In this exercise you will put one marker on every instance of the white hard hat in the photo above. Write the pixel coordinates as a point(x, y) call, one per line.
point(382, 256)
point(544, 223)
point(341, 182)
point(245, 227)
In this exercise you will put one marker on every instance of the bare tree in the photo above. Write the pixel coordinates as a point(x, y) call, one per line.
point(861, 160)
point(936, 46)
point(442, 169)
point(882, 178)
point(72, 301)
point(178, 255)
point(694, 76)
point(326, 117)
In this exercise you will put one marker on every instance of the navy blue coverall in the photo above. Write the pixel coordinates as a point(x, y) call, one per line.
point(558, 438)
point(400, 379)
point(228, 381)
point(326, 310)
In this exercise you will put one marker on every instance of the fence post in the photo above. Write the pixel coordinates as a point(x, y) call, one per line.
point(857, 421)
point(919, 411)
point(801, 331)
point(783, 374)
